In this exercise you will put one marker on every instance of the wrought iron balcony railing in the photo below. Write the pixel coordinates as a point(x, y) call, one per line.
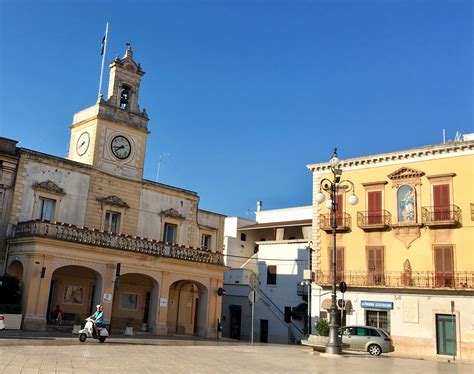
point(95, 237)
point(449, 215)
point(419, 279)
point(343, 221)
point(374, 220)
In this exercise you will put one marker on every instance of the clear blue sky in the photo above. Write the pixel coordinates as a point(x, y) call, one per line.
point(244, 94)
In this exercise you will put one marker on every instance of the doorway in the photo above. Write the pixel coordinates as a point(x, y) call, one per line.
point(235, 321)
point(446, 334)
point(264, 331)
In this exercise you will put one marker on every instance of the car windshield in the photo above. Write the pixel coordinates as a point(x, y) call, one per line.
point(384, 333)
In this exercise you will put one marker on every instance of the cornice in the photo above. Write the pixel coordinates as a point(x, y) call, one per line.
point(440, 150)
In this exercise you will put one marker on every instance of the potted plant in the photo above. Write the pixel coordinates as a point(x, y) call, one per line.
point(129, 326)
point(77, 324)
point(10, 301)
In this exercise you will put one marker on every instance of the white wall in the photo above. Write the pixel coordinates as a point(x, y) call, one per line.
point(152, 203)
point(282, 215)
point(72, 208)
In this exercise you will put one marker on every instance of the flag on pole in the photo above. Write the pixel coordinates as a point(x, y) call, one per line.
point(104, 40)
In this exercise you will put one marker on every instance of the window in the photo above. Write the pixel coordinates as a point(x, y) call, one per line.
point(271, 274)
point(375, 265)
point(339, 263)
point(46, 209)
point(112, 222)
point(243, 237)
point(128, 301)
point(206, 241)
point(170, 233)
point(379, 319)
point(444, 266)
point(374, 207)
point(339, 211)
point(441, 207)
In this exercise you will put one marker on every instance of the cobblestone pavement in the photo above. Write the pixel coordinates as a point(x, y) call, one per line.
point(169, 355)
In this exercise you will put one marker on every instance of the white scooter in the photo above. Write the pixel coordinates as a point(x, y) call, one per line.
point(89, 332)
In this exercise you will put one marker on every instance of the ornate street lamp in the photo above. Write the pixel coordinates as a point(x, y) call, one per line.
point(332, 187)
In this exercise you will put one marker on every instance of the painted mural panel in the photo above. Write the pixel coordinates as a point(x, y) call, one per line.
point(406, 204)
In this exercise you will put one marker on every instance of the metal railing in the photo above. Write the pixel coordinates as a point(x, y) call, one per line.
point(343, 221)
point(374, 219)
point(414, 279)
point(432, 215)
point(95, 237)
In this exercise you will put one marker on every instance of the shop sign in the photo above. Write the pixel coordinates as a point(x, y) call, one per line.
point(376, 304)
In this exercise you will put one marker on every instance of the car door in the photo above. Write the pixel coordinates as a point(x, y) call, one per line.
point(348, 333)
point(360, 339)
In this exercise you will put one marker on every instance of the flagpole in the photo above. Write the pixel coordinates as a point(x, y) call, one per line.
point(103, 59)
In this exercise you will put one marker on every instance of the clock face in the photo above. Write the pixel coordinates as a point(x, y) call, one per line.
point(83, 143)
point(121, 147)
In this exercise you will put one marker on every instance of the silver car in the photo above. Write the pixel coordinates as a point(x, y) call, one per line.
point(367, 338)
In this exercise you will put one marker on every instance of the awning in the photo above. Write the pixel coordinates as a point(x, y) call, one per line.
point(326, 304)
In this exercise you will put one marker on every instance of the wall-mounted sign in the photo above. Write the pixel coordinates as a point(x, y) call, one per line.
point(163, 302)
point(376, 304)
point(107, 298)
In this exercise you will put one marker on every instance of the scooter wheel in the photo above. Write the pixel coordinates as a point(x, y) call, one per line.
point(102, 339)
point(82, 337)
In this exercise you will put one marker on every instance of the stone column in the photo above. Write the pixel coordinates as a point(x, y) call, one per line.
point(213, 308)
point(153, 320)
point(37, 288)
point(107, 287)
point(161, 327)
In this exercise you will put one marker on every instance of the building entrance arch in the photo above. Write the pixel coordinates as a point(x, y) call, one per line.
point(76, 290)
point(135, 303)
point(187, 309)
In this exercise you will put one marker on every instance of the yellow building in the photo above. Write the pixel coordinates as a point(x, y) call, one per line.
point(89, 229)
point(406, 249)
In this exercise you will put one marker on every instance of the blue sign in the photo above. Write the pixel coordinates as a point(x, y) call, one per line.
point(376, 304)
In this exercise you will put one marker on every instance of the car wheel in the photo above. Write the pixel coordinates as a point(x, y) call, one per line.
point(374, 350)
point(82, 337)
point(102, 339)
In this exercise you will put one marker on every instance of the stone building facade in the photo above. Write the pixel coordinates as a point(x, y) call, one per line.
point(88, 229)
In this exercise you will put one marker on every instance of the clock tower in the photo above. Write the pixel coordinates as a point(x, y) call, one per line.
point(111, 135)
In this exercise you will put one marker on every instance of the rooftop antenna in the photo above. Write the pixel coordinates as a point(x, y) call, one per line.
point(162, 156)
point(458, 136)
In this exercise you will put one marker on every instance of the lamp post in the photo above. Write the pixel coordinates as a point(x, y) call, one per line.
point(332, 187)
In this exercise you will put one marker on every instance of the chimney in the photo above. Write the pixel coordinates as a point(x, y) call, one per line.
point(259, 205)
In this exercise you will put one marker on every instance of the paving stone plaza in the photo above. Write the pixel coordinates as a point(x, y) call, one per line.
point(39, 354)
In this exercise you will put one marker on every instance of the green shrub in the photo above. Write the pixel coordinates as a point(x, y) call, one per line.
point(10, 295)
point(322, 327)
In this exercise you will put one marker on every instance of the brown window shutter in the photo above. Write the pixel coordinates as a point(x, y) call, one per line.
point(371, 259)
point(340, 259)
point(374, 207)
point(379, 260)
point(441, 195)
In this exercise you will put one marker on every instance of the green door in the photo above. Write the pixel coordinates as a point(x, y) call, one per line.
point(446, 334)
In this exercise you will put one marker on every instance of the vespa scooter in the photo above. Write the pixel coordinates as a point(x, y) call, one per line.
point(89, 332)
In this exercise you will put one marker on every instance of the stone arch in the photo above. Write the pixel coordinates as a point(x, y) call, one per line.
point(15, 268)
point(76, 288)
point(135, 301)
point(188, 307)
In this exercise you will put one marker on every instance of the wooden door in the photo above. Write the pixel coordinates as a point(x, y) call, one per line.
point(374, 207)
point(441, 206)
point(444, 266)
point(375, 265)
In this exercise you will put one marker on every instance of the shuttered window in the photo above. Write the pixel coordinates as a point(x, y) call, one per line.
point(339, 211)
point(444, 266)
point(374, 207)
point(339, 263)
point(441, 203)
point(375, 265)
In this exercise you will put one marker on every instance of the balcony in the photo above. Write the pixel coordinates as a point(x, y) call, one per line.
point(374, 220)
point(343, 222)
point(441, 216)
point(421, 279)
point(94, 237)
